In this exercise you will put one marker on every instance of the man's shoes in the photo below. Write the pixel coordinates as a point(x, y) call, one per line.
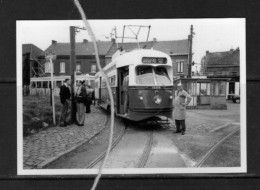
point(63, 125)
point(183, 132)
point(177, 131)
point(80, 124)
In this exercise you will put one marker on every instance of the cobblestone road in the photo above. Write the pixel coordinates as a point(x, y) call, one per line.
point(47, 145)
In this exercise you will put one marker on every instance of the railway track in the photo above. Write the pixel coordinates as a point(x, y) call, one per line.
point(212, 150)
point(102, 155)
point(146, 152)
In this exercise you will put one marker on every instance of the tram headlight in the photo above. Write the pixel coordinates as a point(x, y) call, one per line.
point(157, 99)
point(141, 97)
point(171, 97)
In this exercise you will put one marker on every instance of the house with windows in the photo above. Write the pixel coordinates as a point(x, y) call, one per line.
point(223, 65)
point(85, 58)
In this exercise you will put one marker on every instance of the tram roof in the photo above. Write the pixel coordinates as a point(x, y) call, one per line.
point(135, 57)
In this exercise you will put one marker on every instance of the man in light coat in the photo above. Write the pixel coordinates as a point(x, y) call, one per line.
point(182, 98)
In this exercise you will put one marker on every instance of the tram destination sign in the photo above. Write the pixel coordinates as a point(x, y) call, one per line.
point(154, 60)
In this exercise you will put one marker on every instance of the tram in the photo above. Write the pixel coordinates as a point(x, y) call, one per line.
point(150, 84)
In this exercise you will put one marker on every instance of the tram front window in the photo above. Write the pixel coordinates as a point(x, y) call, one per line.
point(145, 75)
point(149, 75)
point(161, 76)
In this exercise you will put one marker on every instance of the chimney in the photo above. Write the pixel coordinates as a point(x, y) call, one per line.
point(53, 42)
point(231, 50)
point(207, 52)
point(154, 40)
point(113, 40)
point(85, 41)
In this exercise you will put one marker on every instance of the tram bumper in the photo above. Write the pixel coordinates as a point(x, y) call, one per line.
point(142, 114)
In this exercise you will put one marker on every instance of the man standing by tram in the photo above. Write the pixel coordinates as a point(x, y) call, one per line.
point(65, 100)
point(182, 98)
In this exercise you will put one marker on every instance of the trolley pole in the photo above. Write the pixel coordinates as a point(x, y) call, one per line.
point(72, 72)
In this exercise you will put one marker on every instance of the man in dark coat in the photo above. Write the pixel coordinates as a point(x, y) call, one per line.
point(65, 100)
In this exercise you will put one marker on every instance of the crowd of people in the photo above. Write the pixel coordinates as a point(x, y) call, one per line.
point(84, 97)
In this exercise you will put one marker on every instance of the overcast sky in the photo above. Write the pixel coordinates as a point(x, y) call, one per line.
point(214, 35)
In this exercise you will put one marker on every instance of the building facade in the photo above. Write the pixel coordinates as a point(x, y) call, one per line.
point(223, 65)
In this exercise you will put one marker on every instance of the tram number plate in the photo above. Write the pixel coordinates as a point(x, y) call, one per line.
point(156, 60)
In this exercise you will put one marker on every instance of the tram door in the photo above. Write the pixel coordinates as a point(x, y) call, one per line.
point(121, 72)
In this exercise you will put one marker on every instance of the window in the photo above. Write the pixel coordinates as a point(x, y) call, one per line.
point(152, 75)
point(45, 84)
point(62, 67)
point(215, 88)
point(33, 84)
point(93, 68)
point(78, 68)
point(112, 80)
point(161, 76)
point(222, 89)
point(204, 89)
point(39, 84)
point(180, 66)
point(145, 75)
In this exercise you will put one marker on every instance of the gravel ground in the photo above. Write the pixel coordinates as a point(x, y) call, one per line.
point(226, 155)
point(205, 128)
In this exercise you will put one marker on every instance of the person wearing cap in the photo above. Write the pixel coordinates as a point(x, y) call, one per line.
point(182, 98)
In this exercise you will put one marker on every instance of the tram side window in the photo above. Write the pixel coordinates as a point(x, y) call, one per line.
point(161, 76)
point(44, 84)
point(39, 84)
point(144, 75)
point(33, 85)
point(112, 80)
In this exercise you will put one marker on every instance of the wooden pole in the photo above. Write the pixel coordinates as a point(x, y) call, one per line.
point(72, 72)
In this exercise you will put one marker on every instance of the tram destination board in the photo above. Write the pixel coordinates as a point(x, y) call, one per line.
point(154, 60)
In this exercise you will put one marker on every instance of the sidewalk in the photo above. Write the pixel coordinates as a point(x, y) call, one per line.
point(42, 148)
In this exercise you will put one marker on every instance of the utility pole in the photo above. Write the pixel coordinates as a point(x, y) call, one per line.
point(190, 37)
point(72, 72)
point(73, 31)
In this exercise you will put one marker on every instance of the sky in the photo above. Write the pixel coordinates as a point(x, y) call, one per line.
point(213, 35)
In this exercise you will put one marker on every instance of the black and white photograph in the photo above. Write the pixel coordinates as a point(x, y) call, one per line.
point(163, 96)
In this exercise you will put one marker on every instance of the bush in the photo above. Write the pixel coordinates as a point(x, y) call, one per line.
point(36, 110)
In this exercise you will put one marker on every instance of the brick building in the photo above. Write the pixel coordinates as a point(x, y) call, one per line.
point(85, 58)
point(223, 65)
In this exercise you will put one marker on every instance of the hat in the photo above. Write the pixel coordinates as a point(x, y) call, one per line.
point(179, 84)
